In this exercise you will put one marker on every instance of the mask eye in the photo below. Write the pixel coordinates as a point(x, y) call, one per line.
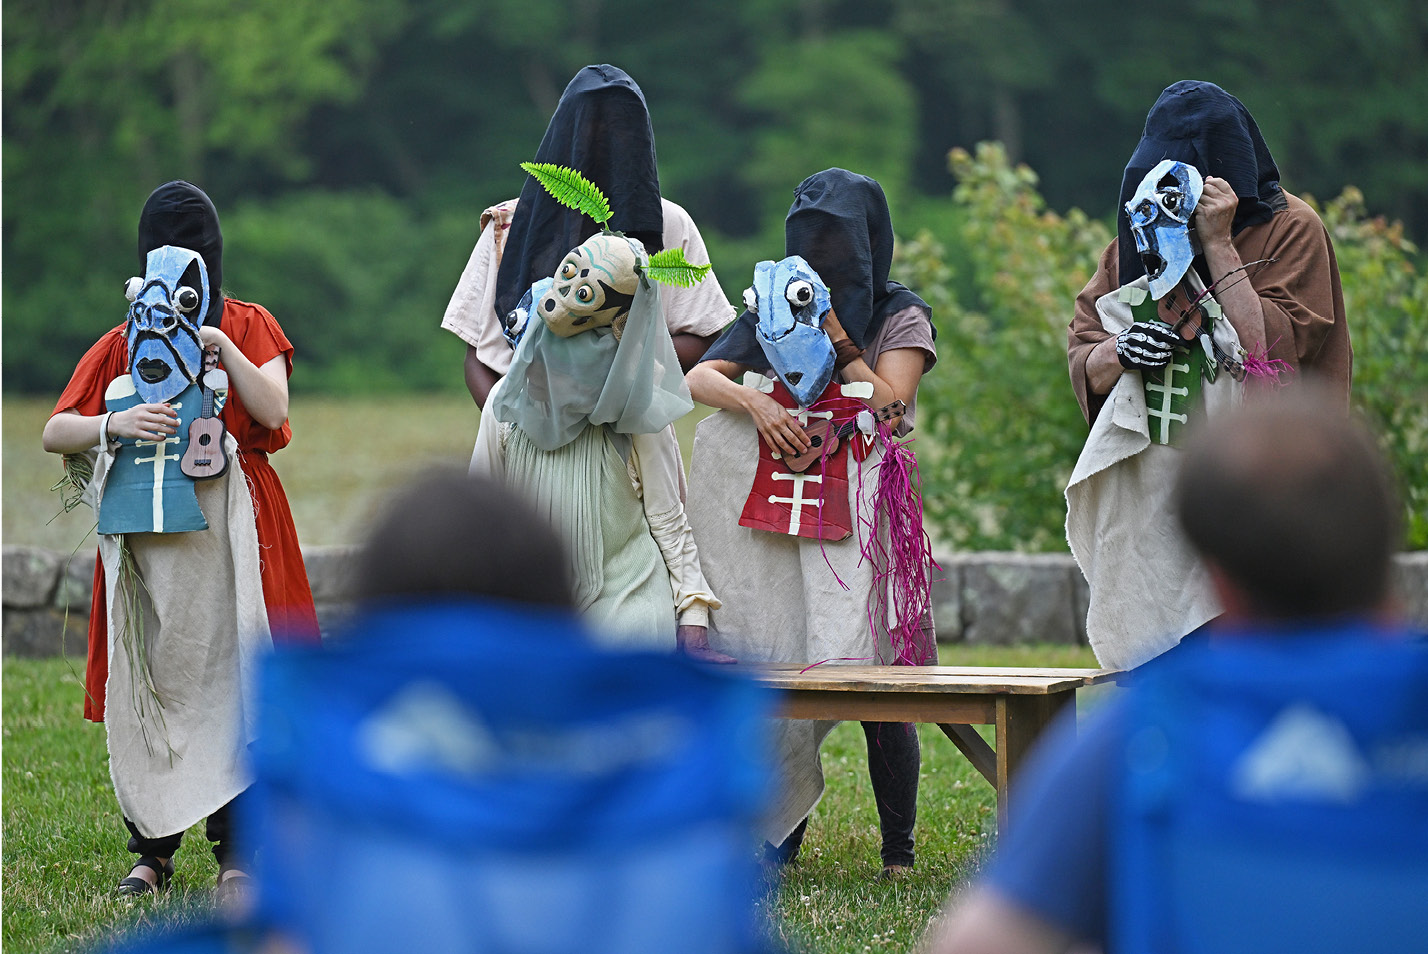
point(799, 293)
point(132, 287)
point(584, 294)
point(186, 299)
point(751, 301)
point(567, 270)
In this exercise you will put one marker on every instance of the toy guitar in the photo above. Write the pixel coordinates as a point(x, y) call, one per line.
point(206, 457)
point(823, 432)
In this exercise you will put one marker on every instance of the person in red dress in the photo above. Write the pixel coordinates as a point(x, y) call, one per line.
point(257, 357)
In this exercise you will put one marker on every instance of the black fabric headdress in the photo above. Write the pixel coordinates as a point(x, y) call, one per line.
point(839, 223)
point(601, 128)
point(1199, 123)
point(181, 214)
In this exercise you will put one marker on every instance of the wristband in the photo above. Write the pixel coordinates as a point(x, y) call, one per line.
point(104, 427)
point(845, 353)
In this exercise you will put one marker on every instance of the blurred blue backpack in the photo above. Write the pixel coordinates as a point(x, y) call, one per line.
point(477, 777)
point(1274, 797)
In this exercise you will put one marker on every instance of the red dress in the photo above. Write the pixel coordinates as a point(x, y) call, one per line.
point(285, 587)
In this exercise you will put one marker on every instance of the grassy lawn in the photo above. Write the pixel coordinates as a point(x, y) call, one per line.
point(345, 456)
point(64, 839)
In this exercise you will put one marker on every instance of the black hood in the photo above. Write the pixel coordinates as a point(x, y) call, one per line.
point(839, 223)
point(601, 128)
point(181, 214)
point(1201, 124)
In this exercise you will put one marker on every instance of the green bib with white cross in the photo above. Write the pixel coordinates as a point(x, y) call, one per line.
point(1175, 391)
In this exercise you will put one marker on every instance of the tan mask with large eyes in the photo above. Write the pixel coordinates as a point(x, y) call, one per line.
point(593, 286)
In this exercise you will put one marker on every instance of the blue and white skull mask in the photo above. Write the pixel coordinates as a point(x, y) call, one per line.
point(165, 351)
point(1160, 212)
point(791, 301)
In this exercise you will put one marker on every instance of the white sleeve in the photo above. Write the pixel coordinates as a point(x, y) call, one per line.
point(471, 313)
point(703, 309)
point(488, 459)
point(655, 459)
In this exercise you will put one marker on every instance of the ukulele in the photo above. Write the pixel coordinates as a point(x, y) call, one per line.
point(823, 432)
point(206, 457)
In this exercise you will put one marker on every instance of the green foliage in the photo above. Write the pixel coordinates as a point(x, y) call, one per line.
point(359, 282)
point(829, 100)
point(670, 267)
point(1002, 430)
point(571, 189)
point(1386, 301)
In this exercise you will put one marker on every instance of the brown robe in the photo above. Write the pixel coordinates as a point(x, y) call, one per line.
point(1299, 291)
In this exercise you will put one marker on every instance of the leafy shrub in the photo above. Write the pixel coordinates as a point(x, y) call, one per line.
point(1386, 300)
point(1001, 428)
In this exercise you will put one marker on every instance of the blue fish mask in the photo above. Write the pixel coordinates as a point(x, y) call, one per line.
point(165, 351)
point(791, 301)
point(1159, 212)
point(514, 325)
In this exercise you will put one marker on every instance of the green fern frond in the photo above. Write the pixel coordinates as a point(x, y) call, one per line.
point(571, 189)
point(670, 267)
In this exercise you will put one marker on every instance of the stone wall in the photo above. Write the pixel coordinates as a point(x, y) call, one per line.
point(989, 598)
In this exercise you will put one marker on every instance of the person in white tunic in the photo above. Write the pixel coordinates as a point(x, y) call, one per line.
point(789, 597)
point(601, 105)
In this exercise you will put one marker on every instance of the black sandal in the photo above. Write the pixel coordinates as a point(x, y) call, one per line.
point(131, 886)
point(234, 893)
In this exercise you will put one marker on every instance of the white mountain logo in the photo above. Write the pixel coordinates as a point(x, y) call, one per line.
point(1303, 755)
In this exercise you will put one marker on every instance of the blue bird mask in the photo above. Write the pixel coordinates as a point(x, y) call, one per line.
point(790, 302)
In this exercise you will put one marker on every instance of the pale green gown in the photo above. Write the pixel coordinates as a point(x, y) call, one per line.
point(621, 580)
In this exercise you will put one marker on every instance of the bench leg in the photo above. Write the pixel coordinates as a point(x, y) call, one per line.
point(1020, 721)
point(982, 756)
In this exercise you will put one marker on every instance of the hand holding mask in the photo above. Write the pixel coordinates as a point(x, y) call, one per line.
point(1146, 346)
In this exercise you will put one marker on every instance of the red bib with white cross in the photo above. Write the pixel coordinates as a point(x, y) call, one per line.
point(814, 503)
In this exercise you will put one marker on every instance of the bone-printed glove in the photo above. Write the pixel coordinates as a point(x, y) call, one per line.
point(1146, 346)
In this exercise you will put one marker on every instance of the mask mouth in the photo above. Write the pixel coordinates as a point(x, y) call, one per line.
point(1153, 263)
point(153, 370)
point(793, 377)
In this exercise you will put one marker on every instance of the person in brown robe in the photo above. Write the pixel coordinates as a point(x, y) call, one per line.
point(1290, 307)
point(1269, 262)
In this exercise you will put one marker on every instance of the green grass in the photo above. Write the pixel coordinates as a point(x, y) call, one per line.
point(64, 840)
point(64, 836)
point(345, 457)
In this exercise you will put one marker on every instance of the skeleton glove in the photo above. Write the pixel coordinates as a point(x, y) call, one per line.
point(1146, 346)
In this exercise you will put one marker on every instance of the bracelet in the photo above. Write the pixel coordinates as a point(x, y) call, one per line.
point(845, 353)
point(104, 426)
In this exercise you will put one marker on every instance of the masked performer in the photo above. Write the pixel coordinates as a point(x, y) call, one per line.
point(583, 426)
point(817, 550)
point(602, 128)
point(1218, 276)
point(196, 536)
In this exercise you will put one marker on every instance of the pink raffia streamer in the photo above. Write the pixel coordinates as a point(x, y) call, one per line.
point(1258, 364)
point(900, 551)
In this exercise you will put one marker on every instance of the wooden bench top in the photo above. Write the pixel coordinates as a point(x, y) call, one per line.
point(977, 680)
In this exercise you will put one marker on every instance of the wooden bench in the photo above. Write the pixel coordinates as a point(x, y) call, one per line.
point(1020, 703)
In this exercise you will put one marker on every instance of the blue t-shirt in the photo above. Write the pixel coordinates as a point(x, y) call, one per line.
point(1059, 857)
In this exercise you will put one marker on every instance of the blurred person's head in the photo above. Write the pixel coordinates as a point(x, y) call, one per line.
point(1292, 508)
point(450, 534)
